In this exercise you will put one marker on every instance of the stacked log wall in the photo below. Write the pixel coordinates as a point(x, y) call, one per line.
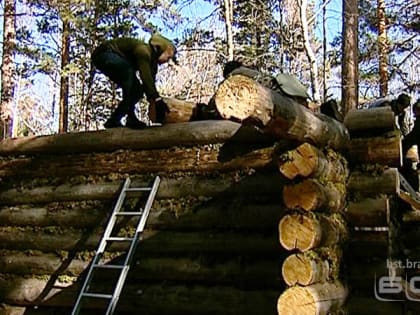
point(313, 231)
point(210, 242)
point(375, 157)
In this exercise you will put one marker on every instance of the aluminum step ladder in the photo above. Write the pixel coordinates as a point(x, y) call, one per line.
point(112, 298)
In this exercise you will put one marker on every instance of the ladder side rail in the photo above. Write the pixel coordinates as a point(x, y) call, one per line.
point(101, 246)
point(148, 206)
point(140, 226)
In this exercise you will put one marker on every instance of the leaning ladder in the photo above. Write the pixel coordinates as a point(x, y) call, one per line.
point(107, 238)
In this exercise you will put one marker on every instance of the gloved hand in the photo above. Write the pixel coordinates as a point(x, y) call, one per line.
point(161, 110)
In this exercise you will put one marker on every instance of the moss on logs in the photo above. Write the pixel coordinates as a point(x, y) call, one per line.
point(188, 214)
point(52, 239)
point(236, 183)
point(198, 159)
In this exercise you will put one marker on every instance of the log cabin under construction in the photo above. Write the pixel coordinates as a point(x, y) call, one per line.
point(301, 216)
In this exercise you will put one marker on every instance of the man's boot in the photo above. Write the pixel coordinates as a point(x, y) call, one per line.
point(133, 122)
point(113, 122)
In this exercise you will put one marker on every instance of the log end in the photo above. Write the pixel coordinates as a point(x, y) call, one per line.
point(296, 300)
point(303, 195)
point(301, 161)
point(299, 232)
point(301, 269)
point(240, 97)
point(317, 299)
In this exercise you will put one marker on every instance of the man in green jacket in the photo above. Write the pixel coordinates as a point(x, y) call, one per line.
point(120, 59)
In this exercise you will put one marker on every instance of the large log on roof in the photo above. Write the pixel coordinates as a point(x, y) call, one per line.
point(241, 98)
point(170, 135)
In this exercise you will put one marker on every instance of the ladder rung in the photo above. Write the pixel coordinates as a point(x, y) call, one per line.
point(120, 239)
point(108, 266)
point(139, 189)
point(129, 213)
point(97, 295)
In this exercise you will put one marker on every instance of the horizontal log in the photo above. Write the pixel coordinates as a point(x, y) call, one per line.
point(311, 194)
point(52, 239)
point(169, 188)
point(308, 161)
point(363, 121)
point(368, 212)
point(316, 299)
point(197, 159)
point(384, 150)
point(308, 231)
point(170, 135)
point(277, 114)
point(166, 214)
point(205, 270)
point(369, 184)
point(152, 299)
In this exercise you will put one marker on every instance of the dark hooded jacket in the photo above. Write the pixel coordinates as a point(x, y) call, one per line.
point(143, 56)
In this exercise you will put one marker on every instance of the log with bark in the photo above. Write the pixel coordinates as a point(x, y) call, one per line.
point(151, 299)
point(309, 161)
point(264, 184)
point(206, 270)
point(368, 211)
point(316, 299)
point(310, 195)
point(369, 184)
point(370, 121)
point(312, 266)
point(241, 98)
point(170, 135)
point(173, 214)
point(198, 159)
point(51, 239)
point(384, 150)
point(309, 230)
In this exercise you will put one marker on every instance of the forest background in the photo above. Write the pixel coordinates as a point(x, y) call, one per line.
point(49, 86)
